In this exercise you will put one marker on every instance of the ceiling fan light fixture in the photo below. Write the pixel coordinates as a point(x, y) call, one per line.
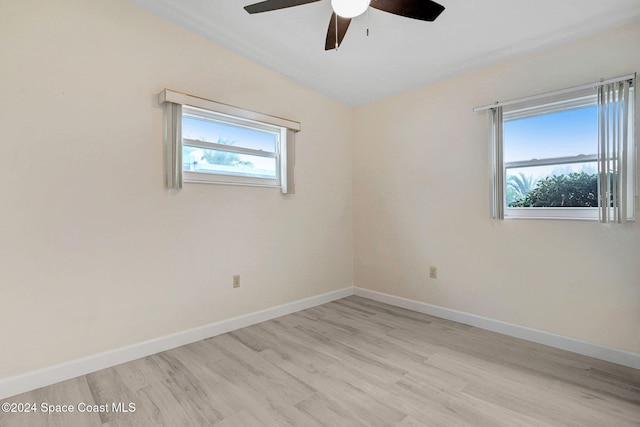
point(349, 8)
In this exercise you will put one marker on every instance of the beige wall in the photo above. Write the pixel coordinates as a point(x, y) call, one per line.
point(95, 253)
point(421, 198)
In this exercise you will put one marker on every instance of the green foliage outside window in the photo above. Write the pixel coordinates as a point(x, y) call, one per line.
point(578, 189)
point(225, 157)
point(518, 186)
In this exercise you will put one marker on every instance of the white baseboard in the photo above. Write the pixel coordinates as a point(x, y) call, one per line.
point(610, 354)
point(28, 381)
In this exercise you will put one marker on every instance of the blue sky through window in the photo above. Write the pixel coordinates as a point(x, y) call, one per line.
point(562, 134)
point(205, 130)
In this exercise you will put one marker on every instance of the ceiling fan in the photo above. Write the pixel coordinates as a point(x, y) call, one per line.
point(345, 10)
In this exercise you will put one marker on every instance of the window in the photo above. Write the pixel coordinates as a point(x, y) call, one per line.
point(551, 158)
point(567, 154)
point(218, 148)
point(209, 142)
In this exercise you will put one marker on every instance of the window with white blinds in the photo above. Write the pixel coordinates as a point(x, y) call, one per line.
point(209, 142)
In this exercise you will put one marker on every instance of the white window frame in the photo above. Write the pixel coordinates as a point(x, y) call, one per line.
point(560, 100)
point(538, 107)
point(283, 129)
point(231, 177)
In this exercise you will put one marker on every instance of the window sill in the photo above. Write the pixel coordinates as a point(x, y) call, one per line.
point(202, 178)
point(579, 214)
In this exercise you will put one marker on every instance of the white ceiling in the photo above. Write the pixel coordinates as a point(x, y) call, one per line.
point(400, 53)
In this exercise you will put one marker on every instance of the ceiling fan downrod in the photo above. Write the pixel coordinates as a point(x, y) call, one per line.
point(336, 32)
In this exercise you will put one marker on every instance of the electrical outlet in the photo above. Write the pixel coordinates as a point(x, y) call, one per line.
point(236, 281)
point(433, 272)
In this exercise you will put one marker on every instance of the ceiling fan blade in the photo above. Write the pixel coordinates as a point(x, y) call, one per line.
point(343, 24)
point(269, 5)
point(424, 10)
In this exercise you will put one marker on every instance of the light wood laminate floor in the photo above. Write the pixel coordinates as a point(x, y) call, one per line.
point(352, 362)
